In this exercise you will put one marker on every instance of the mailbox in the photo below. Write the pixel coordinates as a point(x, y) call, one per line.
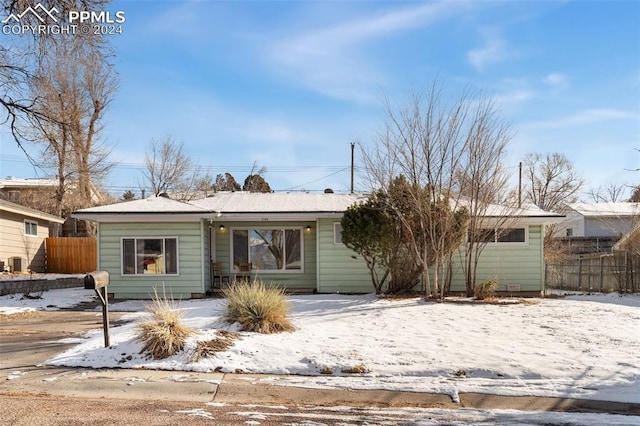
point(95, 280)
point(98, 281)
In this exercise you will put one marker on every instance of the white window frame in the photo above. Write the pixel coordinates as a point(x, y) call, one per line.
point(28, 228)
point(270, 228)
point(137, 274)
point(508, 243)
point(337, 233)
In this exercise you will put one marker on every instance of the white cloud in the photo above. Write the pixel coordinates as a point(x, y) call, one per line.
point(331, 61)
point(585, 117)
point(515, 97)
point(557, 80)
point(495, 50)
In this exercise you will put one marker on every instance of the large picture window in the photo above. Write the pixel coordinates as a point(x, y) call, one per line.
point(155, 256)
point(268, 249)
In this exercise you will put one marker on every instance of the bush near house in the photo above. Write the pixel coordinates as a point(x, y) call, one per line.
point(485, 289)
point(257, 307)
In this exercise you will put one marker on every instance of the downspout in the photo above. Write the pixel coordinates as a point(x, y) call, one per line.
point(317, 236)
point(544, 263)
point(98, 267)
point(202, 256)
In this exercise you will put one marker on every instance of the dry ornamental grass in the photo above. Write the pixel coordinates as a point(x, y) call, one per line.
point(164, 335)
point(218, 344)
point(257, 307)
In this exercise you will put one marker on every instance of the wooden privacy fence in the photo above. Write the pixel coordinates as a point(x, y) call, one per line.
point(71, 255)
point(619, 272)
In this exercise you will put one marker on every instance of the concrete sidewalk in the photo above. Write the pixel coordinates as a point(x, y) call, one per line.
point(252, 389)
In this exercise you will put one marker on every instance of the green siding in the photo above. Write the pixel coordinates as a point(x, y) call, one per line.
point(339, 272)
point(328, 267)
point(510, 264)
point(190, 254)
point(293, 279)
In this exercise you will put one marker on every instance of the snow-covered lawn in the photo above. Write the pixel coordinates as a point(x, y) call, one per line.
point(577, 346)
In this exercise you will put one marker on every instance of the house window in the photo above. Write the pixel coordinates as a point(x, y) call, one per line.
point(511, 235)
point(569, 232)
point(501, 235)
point(30, 228)
point(337, 233)
point(154, 256)
point(268, 249)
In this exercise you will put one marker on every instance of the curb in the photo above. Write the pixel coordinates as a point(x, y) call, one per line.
point(247, 389)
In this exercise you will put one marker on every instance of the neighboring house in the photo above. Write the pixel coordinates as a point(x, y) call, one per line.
point(293, 239)
point(20, 190)
point(23, 191)
point(39, 193)
point(599, 220)
point(630, 242)
point(22, 237)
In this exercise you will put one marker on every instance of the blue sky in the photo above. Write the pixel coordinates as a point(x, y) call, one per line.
point(289, 85)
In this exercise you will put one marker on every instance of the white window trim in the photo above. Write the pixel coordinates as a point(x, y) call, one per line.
point(31, 223)
point(336, 233)
point(269, 271)
point(149, 238)
point(512, 244)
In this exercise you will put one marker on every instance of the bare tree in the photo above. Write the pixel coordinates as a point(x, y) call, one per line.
point(613, 193)
point(483, 182)
point(169, 169)
point(551, 181)
point(73, 88)
point(20, 58)
point(439, 147)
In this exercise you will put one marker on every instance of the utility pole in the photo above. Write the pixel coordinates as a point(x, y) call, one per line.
point(520, 185)
point(352, 148)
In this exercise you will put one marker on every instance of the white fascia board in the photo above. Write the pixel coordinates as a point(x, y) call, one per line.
point(145, 217)
point(273, 217)
point(44, 216)
point(528, 220)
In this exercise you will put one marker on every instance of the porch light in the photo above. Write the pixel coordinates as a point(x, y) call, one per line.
point(308, 228)
point(221, 227)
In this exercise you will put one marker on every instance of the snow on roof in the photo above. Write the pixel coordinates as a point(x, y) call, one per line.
point(29, 212)
point(146, 205)
point(13, 182)
point(528, 210)
point(278, 202)
point(606, 209)
point(251, 203)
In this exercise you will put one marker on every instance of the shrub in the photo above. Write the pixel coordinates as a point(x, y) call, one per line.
point(164, 335)
point(485, 289)
point(257, 307)
point(221, 343)
point(326, 370)
point(356, 369)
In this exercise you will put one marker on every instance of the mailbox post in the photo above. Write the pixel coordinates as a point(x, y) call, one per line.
point(98, 281)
